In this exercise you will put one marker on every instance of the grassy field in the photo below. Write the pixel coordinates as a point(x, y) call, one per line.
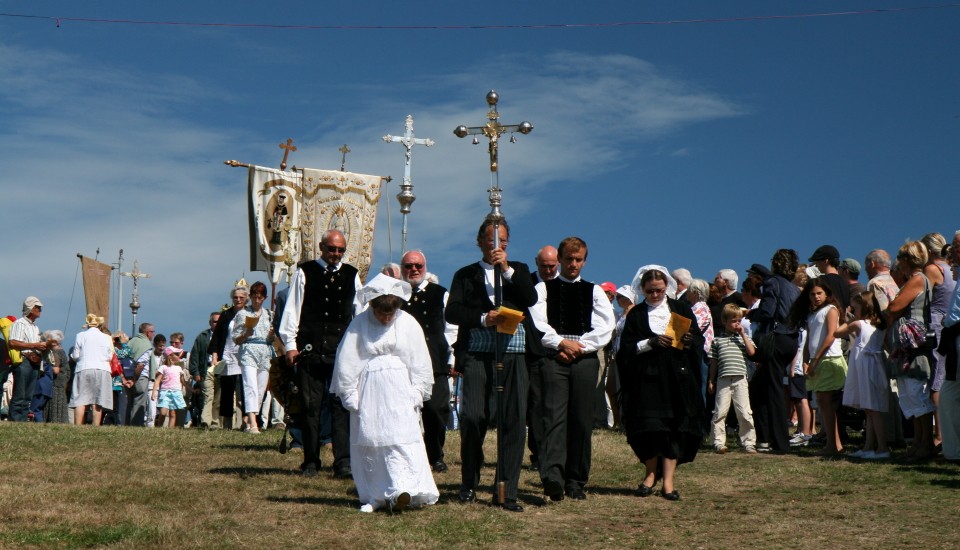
point(82, 487)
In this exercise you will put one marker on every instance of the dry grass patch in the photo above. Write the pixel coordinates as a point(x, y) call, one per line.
point(73, 487)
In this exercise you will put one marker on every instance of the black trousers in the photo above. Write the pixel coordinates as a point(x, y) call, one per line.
point(766, 394)
point(228, 389)
point(568, 398)
point(478, 410)
point(313, 380)
point(436, 414)
point(534, 425)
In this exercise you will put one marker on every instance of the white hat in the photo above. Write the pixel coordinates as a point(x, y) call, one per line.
point(671, 282)
point(627, 292)
point(384, 284)
point(29, 303)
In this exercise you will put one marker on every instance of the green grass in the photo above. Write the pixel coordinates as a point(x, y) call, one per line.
point(81, 487)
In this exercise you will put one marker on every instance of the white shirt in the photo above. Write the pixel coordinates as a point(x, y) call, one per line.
point(290, 321)
point(93, 350)
point(658, 317)
point(603, 320)
point(488, 277)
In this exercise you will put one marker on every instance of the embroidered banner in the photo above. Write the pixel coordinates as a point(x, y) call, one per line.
point(274, 212)
point(96, 287)
point(343, 201)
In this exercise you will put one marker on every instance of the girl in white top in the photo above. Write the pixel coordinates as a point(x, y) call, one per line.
point(867, 385)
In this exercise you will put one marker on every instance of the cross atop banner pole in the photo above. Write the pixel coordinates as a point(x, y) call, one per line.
point(493, 130)
point(406, 196)
point(287, 148)
point(343, 159)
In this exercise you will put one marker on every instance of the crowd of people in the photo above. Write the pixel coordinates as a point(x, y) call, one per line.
point(802, 353)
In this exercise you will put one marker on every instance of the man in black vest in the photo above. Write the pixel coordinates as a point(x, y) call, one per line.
point(426, 305)
point(547, 264)
point(576, 321)
point(321, 304)
point(471, 308)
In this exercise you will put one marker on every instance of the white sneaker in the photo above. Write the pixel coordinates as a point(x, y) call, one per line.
point(800, 440)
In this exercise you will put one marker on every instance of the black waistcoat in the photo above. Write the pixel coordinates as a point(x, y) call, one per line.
point(327, 306)
point(570, 306)
point(426, 307)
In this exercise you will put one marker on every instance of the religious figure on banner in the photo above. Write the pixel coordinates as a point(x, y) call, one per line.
point(278, 223)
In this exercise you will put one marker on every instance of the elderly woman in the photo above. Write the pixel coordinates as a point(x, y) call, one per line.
point(913, 383)
point(626, 299)
point(940, 275)
point(662, 408)
point(92, 383)
point(253, 333)
point(697, 295)
point(56, 410)
point(383, 374)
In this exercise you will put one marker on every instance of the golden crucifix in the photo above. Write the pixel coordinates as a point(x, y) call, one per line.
point(287, 147)
point(343, 159)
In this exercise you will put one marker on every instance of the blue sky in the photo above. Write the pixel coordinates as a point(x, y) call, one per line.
point(698, 145)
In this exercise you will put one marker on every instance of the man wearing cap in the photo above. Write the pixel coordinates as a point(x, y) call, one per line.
point(322, 302)
point(472, 308)
point(576, 321)
point(25, 338)
point(850, 270)
point(426, 305)
point(827, 260)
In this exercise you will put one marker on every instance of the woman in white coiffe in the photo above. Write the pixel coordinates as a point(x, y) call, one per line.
point(383, 374)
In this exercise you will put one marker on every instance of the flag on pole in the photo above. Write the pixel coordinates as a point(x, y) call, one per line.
point(96, 287)
point(274, 219)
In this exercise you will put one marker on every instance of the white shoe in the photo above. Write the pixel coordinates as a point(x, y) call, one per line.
point(366, 509)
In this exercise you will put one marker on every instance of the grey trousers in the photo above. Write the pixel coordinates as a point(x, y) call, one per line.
point(137, 401)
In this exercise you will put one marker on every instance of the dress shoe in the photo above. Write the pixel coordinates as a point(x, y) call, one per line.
point(553, 490)
point(672, 495)
point(439, 467)
point(400, 503)
point(643, 491)
point(577, 494)
point(467, 495)
point(510, 506)
point(310, 471)
point(343, 473)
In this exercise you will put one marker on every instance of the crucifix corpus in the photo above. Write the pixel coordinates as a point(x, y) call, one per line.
point(492, 130)
point(136, 275)
point(406, 196)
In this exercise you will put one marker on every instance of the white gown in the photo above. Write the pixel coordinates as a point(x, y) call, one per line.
point(383, 374)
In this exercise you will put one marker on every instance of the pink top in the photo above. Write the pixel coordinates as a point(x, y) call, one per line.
point(172, 377)
point(705, 321)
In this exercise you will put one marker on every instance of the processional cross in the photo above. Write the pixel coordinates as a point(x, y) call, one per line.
point(287, 148)
point(343, 159)
point(136, 275)
point(406, 196)
point(493, 130)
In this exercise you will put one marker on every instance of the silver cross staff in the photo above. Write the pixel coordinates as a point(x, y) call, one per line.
point(493, 130)
point(136, 275)
point(406, 196)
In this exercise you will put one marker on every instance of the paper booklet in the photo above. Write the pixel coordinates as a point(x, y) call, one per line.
point(251, 321)
point(512, 318)
point(677, 328)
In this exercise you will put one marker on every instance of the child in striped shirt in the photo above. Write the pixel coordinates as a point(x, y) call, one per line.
point(728, 378)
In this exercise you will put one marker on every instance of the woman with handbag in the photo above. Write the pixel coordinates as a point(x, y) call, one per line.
point(912, 306)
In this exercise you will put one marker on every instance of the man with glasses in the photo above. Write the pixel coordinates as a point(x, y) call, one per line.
point(472, 308)
point(322, 302)
point(426, 304)
point(575, 320)
point(25, 338)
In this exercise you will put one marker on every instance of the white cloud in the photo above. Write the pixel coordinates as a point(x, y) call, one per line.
point(95, 156)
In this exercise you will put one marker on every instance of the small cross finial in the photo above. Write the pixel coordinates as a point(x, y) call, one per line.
point(287, 147)
point(343, 159)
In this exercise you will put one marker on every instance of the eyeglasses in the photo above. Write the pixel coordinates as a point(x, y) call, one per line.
point(241, 297)
point(654, 291)
point(413, 266)
point(335, 249)
point(39, 308)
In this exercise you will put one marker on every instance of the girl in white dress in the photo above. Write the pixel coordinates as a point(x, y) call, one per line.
point(383, 374)
point(867, 385)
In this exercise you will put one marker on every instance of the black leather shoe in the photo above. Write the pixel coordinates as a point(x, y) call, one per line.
point(643, 491)
point(553, 490)
point(511, 506)
point(672, 495)
point(577, 494)
point(310, 471)
point(343, 473)
point(439, 466)
point(467, 495)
